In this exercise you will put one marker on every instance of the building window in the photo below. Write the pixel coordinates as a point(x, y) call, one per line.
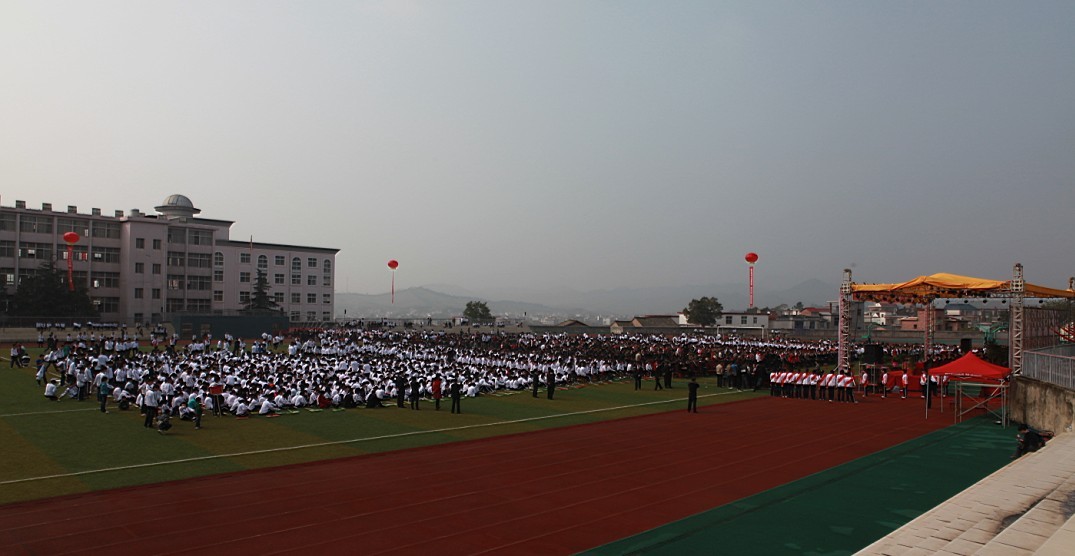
point(64, 225)
point(244, 277)
point(107, 304)
point(326, 298)
point(296, 265)
point(139, 293)
point(157, 244)
point(79, 252)
point(139, 268)
point(278, 297)
point(727, 320)
point(41, 251)
point(278, 279)
point(105, 254)
point(139, 243)
point(7, 248)
point(218, 295)
point(218, 259)
point(279, 260)
point(175, 258)
point(296, 279)
point(199, 283)
point(156, 268)
point(200, 237)
point(326, 316)
point(244, 297)
point(296, 297)
point(218, 275)
point(177, 235)
point(139, 317)
point(198, 260)
point(311, 316)
point(175, 282)
point(755, 320)
point(156, 293)
point(109, 230)
point(311, 262)
point(244, 258)
point(311, 298)
point(743, 319)
point(294, 316)
point(106, 279)
point(7, 222)
point(263, 262)
point(174, 305)
point(35, 224)
point(311, 280)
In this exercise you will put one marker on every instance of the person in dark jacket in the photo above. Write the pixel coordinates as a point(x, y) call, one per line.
point(456, 392)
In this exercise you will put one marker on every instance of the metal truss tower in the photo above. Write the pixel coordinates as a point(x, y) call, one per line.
point(1015, 328)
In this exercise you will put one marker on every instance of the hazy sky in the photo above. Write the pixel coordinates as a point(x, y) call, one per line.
point(546, 144)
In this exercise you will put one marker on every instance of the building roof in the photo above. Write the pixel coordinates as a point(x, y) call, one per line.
point(657, 321)
point(233, 243)
point(178, 201)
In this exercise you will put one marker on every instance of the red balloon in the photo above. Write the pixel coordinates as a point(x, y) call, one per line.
point(393, 264)
point(752, 258)
point(71, 237)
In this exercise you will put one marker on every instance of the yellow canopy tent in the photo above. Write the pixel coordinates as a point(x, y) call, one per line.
point(942, 285)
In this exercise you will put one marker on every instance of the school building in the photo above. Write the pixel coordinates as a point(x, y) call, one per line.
point(148, 268)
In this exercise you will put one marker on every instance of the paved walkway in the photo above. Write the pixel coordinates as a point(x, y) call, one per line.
point(1025, 507)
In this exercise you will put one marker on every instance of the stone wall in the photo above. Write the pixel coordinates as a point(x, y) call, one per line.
point(1042, 405)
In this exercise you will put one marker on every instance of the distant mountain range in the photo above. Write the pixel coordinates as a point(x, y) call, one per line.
point(442, 301)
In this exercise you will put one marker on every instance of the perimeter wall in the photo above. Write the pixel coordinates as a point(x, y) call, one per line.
point(1042, 405)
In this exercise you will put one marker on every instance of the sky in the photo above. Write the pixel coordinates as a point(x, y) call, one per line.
point(541, 145)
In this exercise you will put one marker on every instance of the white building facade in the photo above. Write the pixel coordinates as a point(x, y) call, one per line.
point(141, 268)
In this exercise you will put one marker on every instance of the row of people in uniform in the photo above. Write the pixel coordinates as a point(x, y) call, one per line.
point(813, 385)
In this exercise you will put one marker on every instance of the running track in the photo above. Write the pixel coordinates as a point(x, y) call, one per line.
point(547, 492)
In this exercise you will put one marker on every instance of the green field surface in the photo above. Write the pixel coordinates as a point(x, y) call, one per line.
point(57, 448)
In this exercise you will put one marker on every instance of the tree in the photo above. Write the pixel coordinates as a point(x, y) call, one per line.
point(477, 311)
point(45, 294)
point(260, 301)
point(704, 311)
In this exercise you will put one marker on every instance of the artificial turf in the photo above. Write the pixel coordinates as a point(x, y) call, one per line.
point(843, 509)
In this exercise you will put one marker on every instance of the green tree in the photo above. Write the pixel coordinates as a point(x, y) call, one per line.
point(260, 300)
point(45, 293)
point(477, 311)
point(704, 311)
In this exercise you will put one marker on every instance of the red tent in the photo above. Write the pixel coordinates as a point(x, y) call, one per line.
point(970, 367)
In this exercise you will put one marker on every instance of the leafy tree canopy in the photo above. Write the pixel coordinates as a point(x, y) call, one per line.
point(477, 311)
point(46, 294)
point(704, 311)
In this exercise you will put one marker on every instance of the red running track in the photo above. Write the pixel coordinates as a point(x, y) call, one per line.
point(555, 491)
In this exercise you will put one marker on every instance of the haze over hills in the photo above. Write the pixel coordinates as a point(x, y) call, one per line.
point(442, 301)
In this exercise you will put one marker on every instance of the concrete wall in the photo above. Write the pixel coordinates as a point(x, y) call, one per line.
point(1042, 405)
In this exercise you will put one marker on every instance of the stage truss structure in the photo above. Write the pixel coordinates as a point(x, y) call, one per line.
point(1028, 328)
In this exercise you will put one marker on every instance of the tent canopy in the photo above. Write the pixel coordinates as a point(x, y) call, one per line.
point(934, 286)
point(971, 367)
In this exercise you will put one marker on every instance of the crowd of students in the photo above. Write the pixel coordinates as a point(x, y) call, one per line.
point(352, 367)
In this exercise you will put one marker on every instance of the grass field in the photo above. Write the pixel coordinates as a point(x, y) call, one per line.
point(57, 448)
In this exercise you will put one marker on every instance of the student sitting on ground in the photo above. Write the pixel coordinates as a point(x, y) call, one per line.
point(50, 390)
